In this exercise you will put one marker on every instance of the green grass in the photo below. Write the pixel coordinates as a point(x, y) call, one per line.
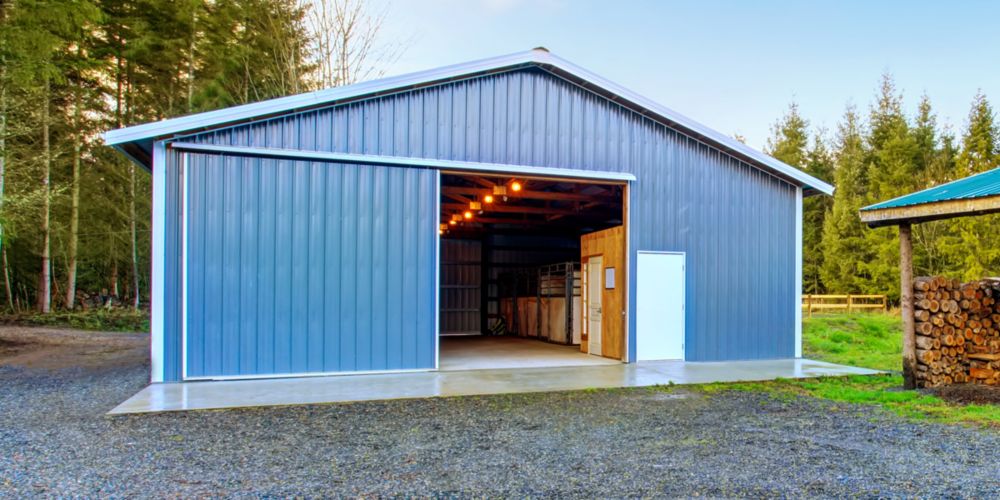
point(870, 341)
point(113, 320)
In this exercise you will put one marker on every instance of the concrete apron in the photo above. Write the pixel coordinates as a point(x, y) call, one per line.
point(374, 387)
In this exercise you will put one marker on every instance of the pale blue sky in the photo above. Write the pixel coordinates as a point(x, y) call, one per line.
point(733, 66)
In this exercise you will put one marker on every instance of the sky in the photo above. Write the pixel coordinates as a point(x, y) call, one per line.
point(732, 65)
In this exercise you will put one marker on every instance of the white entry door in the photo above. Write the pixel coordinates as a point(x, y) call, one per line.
point(595, 266)
point(659, 304)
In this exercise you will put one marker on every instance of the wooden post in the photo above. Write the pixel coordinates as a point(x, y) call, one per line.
point(809, 305)
point(849, 301)
point(906, 306)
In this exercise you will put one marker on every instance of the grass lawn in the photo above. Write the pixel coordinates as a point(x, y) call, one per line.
point(869, 340)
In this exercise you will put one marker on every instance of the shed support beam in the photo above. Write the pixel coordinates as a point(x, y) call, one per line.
point(906, 306)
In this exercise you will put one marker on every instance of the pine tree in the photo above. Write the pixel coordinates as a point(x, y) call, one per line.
point(789, 138)
point(815, 210)
point(892, 173)
point(259, 51)
point(843, 241)
point(973, 247)
point(789, 142)
point(934, 158)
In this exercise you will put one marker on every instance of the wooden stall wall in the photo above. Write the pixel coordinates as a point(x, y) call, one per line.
point(609, 243)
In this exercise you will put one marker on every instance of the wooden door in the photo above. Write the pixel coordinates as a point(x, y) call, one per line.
point(609, 244)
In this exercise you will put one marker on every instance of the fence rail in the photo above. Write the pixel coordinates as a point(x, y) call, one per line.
point(847, 302)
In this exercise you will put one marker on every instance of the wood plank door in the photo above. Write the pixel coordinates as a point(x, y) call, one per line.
point(610, 275)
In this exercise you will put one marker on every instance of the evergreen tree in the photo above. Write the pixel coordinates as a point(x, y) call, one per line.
point(789, 138)
point(789, 143)
point(892, 173)
point(259, 51)
point(815, 209)
point(934, 157)
point(843, 241)
point(973, 247)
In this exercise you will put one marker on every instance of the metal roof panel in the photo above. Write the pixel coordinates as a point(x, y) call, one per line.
point(975, 186)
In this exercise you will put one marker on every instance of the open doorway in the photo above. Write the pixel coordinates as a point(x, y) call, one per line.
point(532, 272)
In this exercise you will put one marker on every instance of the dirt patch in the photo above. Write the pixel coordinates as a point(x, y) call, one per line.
point(8, 347)
point(968, 394)
point(56, 348)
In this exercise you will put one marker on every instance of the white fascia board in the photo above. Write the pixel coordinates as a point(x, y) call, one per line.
point(405, 161)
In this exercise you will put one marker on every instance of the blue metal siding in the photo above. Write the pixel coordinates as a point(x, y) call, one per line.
point(297, 267)
point(735, 222)
point(172, 272)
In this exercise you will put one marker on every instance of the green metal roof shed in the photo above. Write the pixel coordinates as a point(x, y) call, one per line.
point(975, 195)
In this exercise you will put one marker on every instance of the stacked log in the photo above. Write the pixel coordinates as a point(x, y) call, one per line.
point(957, 331)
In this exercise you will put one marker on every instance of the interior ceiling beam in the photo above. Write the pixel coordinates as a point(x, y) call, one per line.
point(531, 195)
point(520, 222)
point(513, 209)
point(460, 199)
point(481, 181)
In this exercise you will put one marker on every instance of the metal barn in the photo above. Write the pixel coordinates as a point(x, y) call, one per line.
point(518, 206)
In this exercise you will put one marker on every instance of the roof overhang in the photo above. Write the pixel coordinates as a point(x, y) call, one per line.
point(925, 212)
point(137, 141)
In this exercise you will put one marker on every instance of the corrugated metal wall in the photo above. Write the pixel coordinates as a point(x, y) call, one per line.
point(308, 267)
point(735, 222)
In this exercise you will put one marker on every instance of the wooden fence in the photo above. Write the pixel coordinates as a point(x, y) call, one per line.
point(849, 303)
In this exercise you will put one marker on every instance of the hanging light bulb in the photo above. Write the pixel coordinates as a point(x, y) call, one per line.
point(453, 222)
point(467, 215)
point(515, 186)
point(488, 198)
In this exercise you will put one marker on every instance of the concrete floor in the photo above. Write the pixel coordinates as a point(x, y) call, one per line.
point(479, 353)
point(345, 388)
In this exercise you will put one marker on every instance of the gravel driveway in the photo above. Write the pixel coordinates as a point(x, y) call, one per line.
point(56, 441)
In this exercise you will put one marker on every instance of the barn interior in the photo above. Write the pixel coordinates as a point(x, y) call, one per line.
point(512, 284)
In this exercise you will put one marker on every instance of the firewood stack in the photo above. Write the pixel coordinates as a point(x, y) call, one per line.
point(958, 331)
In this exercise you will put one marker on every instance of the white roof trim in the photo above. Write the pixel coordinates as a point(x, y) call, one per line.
point(405, 161)
point(532, 57)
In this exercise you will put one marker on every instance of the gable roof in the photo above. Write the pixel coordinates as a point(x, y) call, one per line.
point(137, 141)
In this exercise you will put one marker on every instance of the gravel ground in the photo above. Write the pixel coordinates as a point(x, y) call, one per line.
point(56, 441)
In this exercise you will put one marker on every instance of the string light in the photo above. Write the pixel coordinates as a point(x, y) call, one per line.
point(468, 215)
point(488, 198)
point(515, 186)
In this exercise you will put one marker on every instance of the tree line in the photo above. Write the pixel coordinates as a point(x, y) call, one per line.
point(75, 215)
point(876, 156)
